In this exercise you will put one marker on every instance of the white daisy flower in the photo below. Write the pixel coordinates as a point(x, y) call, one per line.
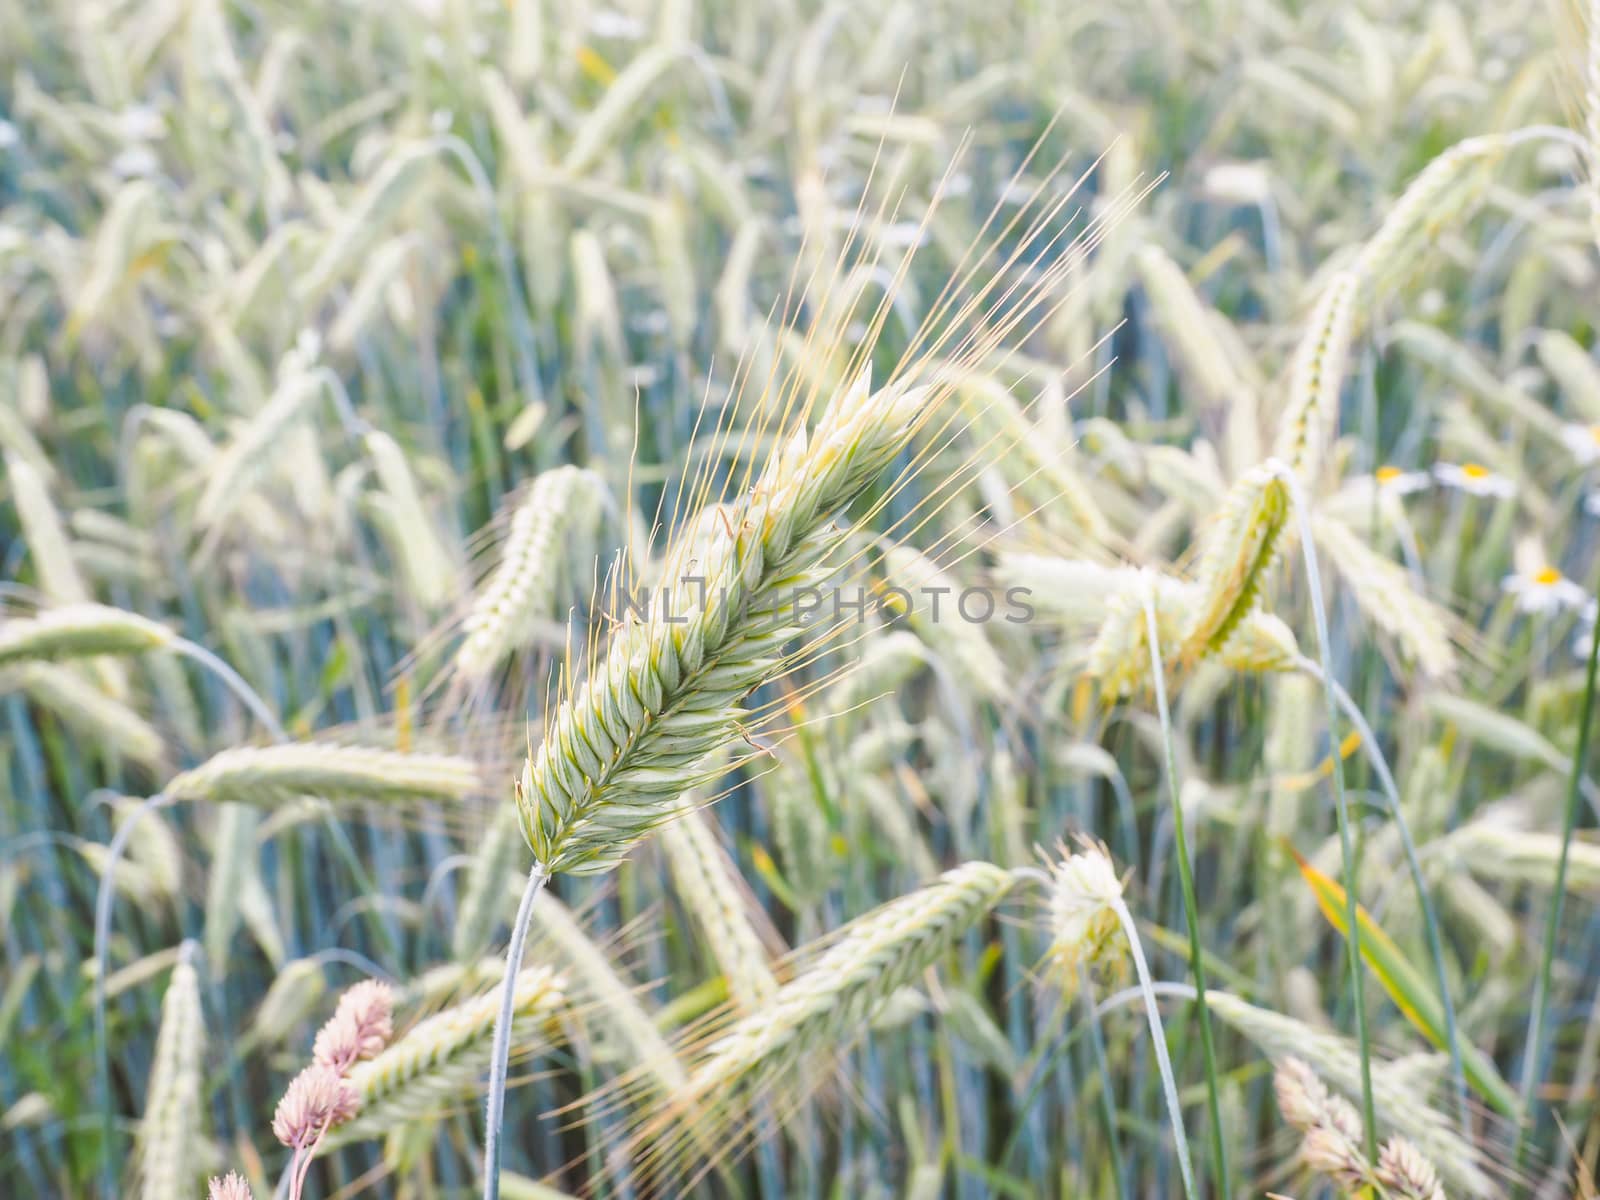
point(1546, 591)
point(1474, 479)
point(1584, 442)
point(1396, 482)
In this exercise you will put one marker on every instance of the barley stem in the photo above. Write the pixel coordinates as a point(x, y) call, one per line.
point(1191, 913)
point(1158, 1036)
point(501, 1051)
point(234, 682)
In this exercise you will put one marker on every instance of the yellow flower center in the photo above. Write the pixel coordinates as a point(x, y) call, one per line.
point(1548, 577)
point(1474, 471)
point(1594, 434)
point(1390, 474)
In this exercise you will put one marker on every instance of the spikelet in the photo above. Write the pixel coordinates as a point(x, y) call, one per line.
point(1241, 547)
point(153, 847)
point(437, 1064)
point(1385, 594)
point(622, 99)
point(1262, 643)
point(79, 631)
point(1576, 374)
point(271, 775)
point(359, 1029)
point(1119, 655)
point(169, 1129)
point(1401, 1104)
point(553, 524)
point(398, 178)
point(709, 887)
point(1311, 412)
point(628, 739)
point(316, 1099)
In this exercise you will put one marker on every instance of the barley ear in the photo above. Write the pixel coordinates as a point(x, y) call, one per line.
point(1242, 547)
point(709, 887)
point(1311, 413)
point(817, 1014)
point(169, 1129)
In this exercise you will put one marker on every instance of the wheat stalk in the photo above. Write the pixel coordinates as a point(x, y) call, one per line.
point(79, 631)
point(267, 776)
point(413, 540)
point(172, 1109)
point(1090, 928)
point(630, 737)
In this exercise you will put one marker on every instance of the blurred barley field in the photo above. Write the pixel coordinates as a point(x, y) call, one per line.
point(1004, 593)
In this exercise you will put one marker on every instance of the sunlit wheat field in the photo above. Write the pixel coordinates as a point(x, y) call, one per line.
point(770, 599)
